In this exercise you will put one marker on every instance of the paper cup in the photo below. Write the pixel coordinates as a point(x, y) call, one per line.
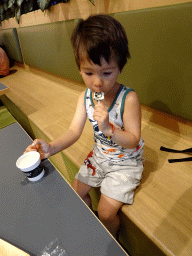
point(30, 165)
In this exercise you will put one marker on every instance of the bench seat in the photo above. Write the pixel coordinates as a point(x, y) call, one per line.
point(158, 223)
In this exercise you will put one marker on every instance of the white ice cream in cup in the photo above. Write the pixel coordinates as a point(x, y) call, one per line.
point(29, 164)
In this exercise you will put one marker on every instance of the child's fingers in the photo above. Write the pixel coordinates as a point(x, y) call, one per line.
point(36, 143)
point(100, 106)
point(30, 148)
point(40, 146)
point(100, 114)
point(33, 147)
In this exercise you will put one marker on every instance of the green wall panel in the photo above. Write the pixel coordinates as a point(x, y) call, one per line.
point(160, 42)
point(48, 47)
point(9, 38)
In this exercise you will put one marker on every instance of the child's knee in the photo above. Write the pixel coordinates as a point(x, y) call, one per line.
point(106, 214)
point(81, 189)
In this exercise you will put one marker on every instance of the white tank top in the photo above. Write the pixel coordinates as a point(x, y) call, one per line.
point(104, 147)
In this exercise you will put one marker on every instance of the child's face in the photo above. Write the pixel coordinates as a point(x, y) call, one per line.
point(100, 78)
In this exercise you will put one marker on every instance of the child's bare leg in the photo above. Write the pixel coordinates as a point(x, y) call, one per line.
point(108, 213)
point(82, 190)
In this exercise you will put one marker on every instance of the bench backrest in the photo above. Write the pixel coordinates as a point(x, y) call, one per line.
point(48, 47)
point(160, 69)
point(9, 39)
point(160, 42)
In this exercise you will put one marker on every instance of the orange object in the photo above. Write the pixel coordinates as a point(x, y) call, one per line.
point(4, 63)
point(120, 156)
point(89, 165)
point(112, 150)
point(113, 129)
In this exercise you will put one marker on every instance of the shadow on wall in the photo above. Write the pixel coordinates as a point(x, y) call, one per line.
point(164, 89)
point(163, 118)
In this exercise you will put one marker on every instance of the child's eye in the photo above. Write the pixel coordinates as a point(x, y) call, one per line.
point(107, 73)
point(88, 73)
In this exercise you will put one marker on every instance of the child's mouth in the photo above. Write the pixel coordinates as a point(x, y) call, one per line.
point(98, 96)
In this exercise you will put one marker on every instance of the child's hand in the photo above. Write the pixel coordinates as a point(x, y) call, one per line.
point(40, 146)
point(101, 115)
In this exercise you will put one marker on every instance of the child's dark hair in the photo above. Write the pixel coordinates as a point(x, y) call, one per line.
point(100, 36)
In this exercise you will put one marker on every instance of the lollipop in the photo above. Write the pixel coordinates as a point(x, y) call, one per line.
point(98, 96)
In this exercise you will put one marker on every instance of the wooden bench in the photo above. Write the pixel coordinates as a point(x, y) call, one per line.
point(161, 210)
point(159, 221)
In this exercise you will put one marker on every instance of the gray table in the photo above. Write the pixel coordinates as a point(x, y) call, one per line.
point(3, 89)
point(34, 214)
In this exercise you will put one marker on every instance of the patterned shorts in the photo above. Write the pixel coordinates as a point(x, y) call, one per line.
point(118, 180)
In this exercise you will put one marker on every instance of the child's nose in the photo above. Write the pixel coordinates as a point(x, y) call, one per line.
point(98, 81)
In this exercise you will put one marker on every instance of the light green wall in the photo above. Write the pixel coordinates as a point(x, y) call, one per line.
point(160, 41)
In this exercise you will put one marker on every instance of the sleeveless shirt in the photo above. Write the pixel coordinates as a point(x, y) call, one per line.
point(105, 147)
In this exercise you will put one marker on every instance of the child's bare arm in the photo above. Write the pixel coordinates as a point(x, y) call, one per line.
point(65, 140)
point(129, 138)
point(131, 121)
point(74, 131)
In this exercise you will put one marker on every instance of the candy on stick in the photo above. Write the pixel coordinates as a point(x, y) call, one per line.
point(98, 96)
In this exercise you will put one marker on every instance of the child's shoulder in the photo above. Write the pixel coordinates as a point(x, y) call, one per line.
point(129, 97)
point(127, 92)
point(82, 95)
